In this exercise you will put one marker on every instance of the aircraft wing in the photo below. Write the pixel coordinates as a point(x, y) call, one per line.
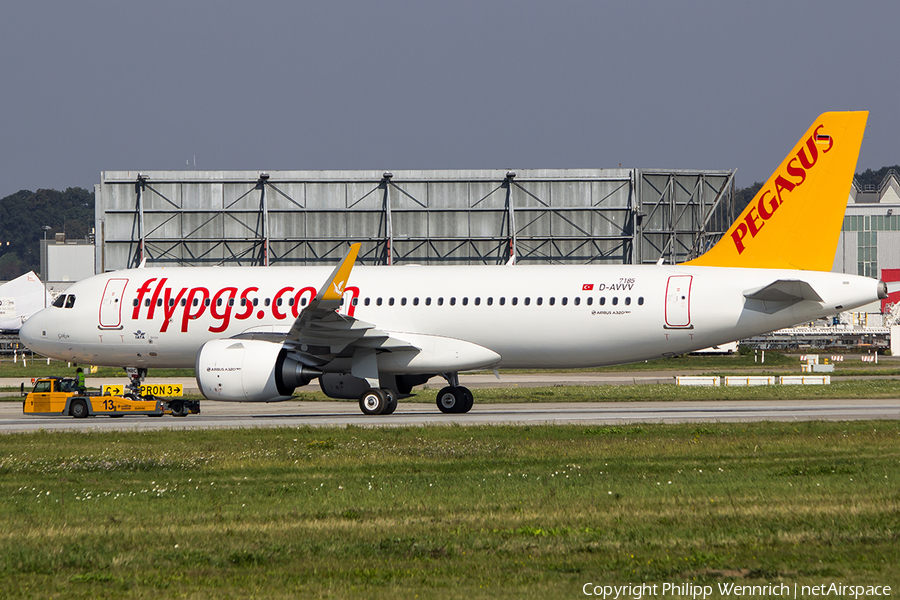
point(320, 333)
point(784, 290)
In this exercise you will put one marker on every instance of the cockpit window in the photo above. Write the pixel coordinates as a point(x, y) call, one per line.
point(60, 300)
point(70, 300)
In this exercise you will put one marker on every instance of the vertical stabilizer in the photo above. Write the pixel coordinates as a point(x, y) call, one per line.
point(795, 220)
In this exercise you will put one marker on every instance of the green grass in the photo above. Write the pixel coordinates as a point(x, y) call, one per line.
point(848, 389)
point(853, 389)
point(775, 362)
point(446, 512)
point(38, 367)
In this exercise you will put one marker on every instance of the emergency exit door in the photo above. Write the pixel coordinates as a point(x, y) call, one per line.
point(111, 304)
point(678, 302)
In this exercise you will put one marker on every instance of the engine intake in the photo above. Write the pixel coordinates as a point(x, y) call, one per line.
point(249, 371)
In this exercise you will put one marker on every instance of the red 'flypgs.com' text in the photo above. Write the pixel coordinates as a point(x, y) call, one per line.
point(222, 305)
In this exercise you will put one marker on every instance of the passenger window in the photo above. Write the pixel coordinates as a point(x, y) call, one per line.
point(627, 300)
point(415, 301)
point(576, 301)
point(515, 300)
point(502, 300)
point(303, 301)
point(428, 301)
point(278, 302)
point(540, 301)
point(527, 300)
point(367, 301)
point(440, 301)
point(171, 301)
point(206, 302)
point(378, 302)
point(565, 301)
point(552, 301)
point(147, 302)
point(615, 300)
point(268, 302)
point(590, 300)
point(640, 301)
point(477, 301)
point(243, 302)
point(402, 301)
point(355, 301)
point(452, 301)
point(391, 302)
point(602, 300)
point(134, 302)
point(465, 301)
point(196, 302)
point(256, 302)
point(291, 301)
point(490, 301)
point(70, 300)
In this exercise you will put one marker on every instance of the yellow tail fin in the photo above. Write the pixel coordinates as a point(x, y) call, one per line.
point(795, 220)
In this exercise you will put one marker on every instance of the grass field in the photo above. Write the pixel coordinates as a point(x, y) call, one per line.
point(853, 389)
point(776, 362)
point(865, 388)
point(446, 512)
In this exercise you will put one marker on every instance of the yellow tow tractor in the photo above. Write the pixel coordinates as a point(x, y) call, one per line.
point(61, 396)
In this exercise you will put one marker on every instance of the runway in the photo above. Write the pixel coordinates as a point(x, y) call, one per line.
point(337, 414)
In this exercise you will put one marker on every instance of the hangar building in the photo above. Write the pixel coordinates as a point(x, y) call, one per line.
point(612, 216)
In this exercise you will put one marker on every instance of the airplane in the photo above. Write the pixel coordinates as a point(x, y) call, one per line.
point(255, 334)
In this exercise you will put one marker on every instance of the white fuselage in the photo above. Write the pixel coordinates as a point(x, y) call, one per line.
point(531, 316)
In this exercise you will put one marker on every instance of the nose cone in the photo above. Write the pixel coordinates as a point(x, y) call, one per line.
point(31, 333)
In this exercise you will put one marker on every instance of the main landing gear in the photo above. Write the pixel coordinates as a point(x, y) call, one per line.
point(455, 400)
point(452, 399)
point(378, 401)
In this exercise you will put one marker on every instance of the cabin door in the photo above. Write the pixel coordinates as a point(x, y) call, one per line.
point(678, 302)
point(111, 304)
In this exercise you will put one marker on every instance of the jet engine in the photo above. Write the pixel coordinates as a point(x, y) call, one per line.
point(249, 371)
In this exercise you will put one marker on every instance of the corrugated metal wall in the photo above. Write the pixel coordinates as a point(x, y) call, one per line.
point(429, 217)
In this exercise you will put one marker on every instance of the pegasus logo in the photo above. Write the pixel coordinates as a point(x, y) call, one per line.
point(338, 288)
point(769, 199)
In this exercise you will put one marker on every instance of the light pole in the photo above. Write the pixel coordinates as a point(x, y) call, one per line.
point(44, 261)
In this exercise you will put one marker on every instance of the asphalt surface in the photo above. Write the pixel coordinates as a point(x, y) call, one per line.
point(336, 413)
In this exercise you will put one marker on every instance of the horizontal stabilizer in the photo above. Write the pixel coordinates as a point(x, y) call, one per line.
point(785, 290)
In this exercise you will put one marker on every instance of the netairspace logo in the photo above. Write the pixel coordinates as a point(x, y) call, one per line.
point(697, 592)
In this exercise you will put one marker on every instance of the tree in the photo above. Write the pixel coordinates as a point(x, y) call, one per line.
point(24, 214)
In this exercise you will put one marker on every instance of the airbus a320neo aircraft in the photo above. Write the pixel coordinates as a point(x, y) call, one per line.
point(371, 333)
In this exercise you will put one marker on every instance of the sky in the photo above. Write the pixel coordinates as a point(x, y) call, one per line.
point(93, 86)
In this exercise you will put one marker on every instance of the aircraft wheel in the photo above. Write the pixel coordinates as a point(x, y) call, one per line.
point(468, 400)
point(391, 405)
point(449, 400)
point(373, 401)
point(78, 409)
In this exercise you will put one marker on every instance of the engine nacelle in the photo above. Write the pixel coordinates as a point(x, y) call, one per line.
point(249, 371)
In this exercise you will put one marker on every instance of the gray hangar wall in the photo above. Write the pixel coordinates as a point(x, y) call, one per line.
point(611, 216)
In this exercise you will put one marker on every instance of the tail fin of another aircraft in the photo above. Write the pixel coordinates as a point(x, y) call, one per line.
point(795, 219)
